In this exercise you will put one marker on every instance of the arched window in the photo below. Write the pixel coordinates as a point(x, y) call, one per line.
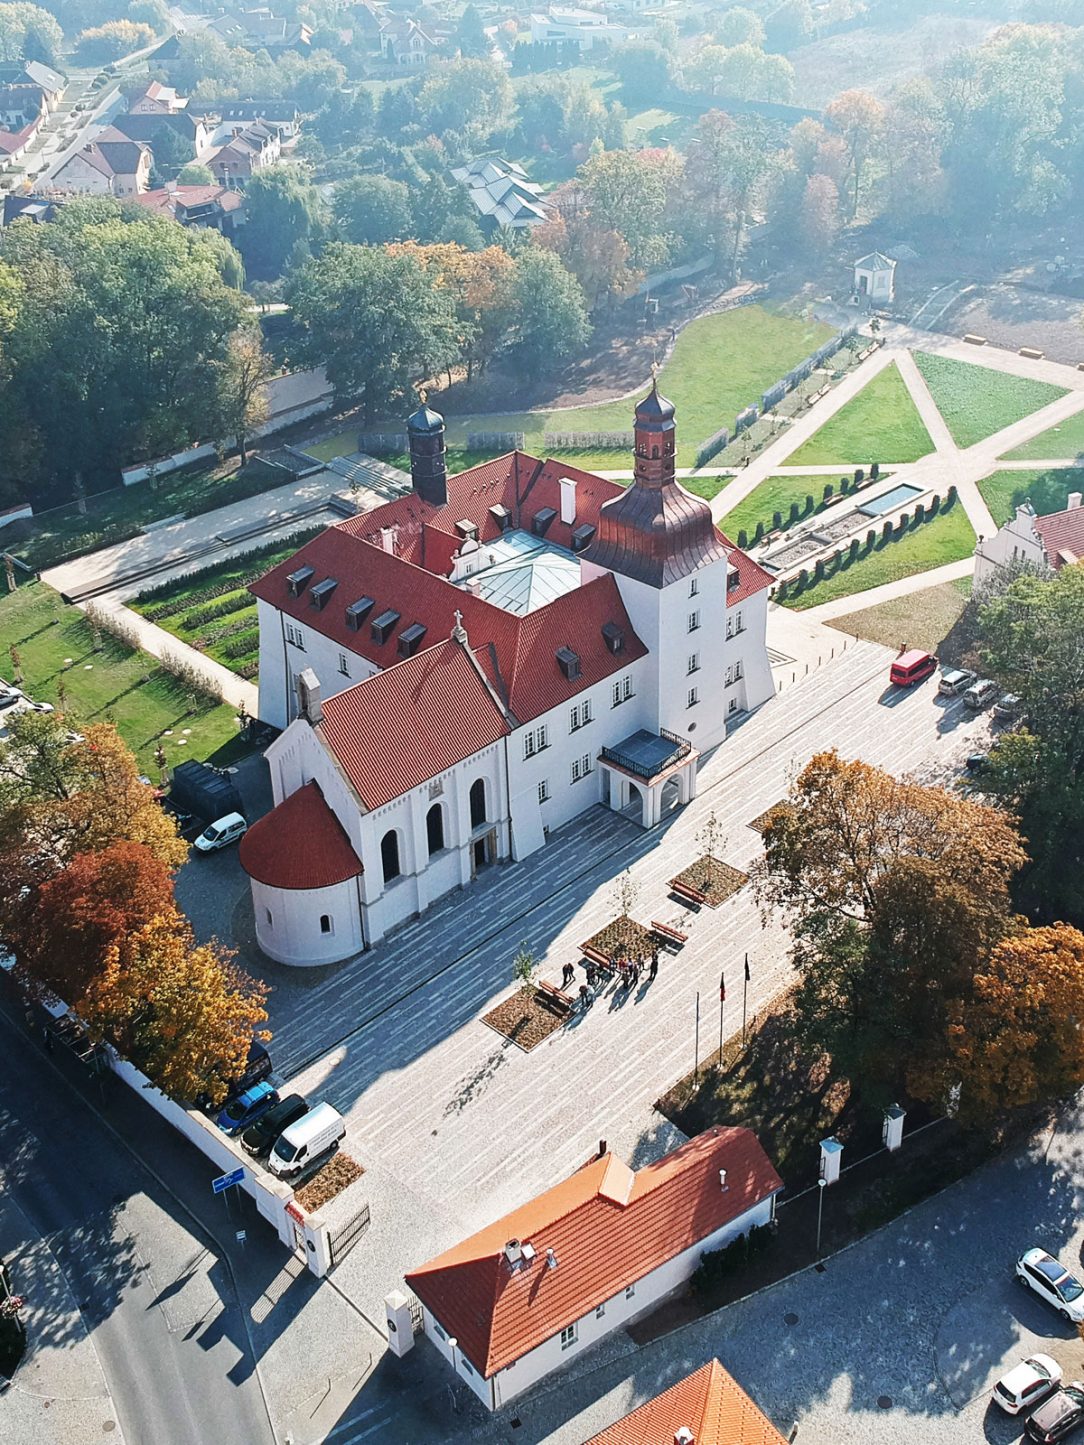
point(654, 451)
point(434, 828)
point(389, 855)
point(325, 923)
point(477, 802)
point(270, 920)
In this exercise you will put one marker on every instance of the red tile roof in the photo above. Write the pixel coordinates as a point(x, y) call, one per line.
point(525, 647)
point(402, 727)
point(607, 1226)
point(299, 844)
point(709, 1403)
point(751, 575)
point(1062, 535)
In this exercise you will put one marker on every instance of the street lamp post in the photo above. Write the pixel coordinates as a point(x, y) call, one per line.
point(452, 1345)
point(822, 1185)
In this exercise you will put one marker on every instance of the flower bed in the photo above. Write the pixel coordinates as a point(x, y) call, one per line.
point(761, 821)
point(339, 1172)
point(623, 938)
point(523, 1019)
point(713, 882)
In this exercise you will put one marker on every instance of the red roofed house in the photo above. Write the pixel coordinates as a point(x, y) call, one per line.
point(522, 1297)
point(476, 663)
point(708, 1407)
point(1045, 544)
point(109, 165)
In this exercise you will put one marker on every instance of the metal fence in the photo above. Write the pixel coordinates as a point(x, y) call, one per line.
point(578, 441)
point(383, 443)
point(341, 1241)
point(495, 441)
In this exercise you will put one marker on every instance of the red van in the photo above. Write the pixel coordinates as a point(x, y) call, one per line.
point(911, 667)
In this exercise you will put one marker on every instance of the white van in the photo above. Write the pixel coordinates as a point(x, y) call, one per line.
point(220, 834)
point(319, 1132)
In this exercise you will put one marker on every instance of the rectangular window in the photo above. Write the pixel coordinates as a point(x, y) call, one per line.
point(581, 767)
point(622, 690)
point(344, 666)
point(733, 673)
point(579, 716)
point(467, 1370)
point(544, 791)
point(294, 636)
point(600, 1311)
point(568, 1337)
point(730, 627)
point(694, 620)
point(630, 1291)
point(440, 1330)
point(535, 740)
point(694, 588)
point(694, 663)
point(738, 624)
point(694, 697)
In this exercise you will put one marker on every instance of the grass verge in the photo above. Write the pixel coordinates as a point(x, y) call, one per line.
point(1064, 440)
point(977, 401)
point(921, 619)
point(62, 663)
point(1048, 491)
point(880, 424)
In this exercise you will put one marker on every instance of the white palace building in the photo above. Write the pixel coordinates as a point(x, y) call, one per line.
point(469, 666)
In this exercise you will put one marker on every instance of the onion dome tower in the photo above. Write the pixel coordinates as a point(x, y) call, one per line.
point(428, 464)
point(655, 532)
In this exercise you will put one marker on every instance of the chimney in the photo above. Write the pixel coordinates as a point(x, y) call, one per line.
point(428, 465)
point(568, 501)
point(308, 697)
point(684, 1436)
point(1074, 501)
point(602, 1148)
point(722, 1180)
point(513, 1252)
point(387, 539)
point(551, 1259)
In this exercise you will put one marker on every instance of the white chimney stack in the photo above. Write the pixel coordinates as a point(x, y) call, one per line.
point(722, 1180)
point(568, 500)
point(513, 1252)
point(551, 1259)
point(1074, 500)
point(684, 1436)
point(387, 539)
point(308, 697)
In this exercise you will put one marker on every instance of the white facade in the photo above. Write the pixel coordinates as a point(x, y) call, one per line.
point(1017, 543)
point(307, 927)
point(875, 278)
point(287, 647)
point(645, 1294)
point(585, 28)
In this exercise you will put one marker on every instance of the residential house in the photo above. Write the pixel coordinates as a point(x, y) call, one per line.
point(31, 207)
point(23, 110)
point(32, 72)
point(110, 165)
point(146, 127)
point(257, 30)
point(472, 665)
point(502, 194)
point(404, 41)
point(584, 29)
point(708, 1407)
point(528, 1294)
point(270, 111)
point(1043, 544)
point(214, 207)
point(251, 148)
point(155, 98)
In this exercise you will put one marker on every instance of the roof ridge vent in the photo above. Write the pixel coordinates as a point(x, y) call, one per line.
point(551, 1259)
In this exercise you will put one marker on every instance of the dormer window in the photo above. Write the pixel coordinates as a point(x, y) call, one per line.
point(380, 628)
point(299, 580)
point(569, 663)
point(321, 592)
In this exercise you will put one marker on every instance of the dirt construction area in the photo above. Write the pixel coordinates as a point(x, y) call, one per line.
point(1012, 316)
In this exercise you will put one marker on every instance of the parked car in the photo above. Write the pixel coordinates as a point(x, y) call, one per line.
point(1027, 1383)
point(1059, 1416)
point(259, 1137)
point(313, 1138)
point(977, 762)
point(1052, 1282)
point(246, 1108)
point(230, 829)
point(955, 681)
point(980, 694)
point(257, 1068)
point(1007, 708)
point(912, 667)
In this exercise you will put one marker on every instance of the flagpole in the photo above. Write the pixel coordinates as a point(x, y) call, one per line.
point(744, 1000)
point(696, 1045)
point(722, 1001)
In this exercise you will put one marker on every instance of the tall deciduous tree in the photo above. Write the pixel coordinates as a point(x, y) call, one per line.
point(819, 217)
point(549, 311)
point(739, 26)
point(284, 212)
point(25, 27)
point(724, 173)
point(859, 118)
point(371, 210)
point(181, 1012)
point(376, 321)
point(243, 404)
point(627, 192)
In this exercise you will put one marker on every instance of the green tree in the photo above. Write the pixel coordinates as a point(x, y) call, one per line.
point(195, 173)
point(370, 210)
point(23, 26)
point(1032, 642)
point(471, 97)
point(549, 311)
point(645, 69)
point(284, 210)
point(860, 119)
point(243, 390)
point(725, 172)
point(789, 24)
point(111, 41)
point(470, 35)
point(146, 300)
point(375, 320)
point(627, 192)
point(739, 27)
point(171, 152)
point(819, 220)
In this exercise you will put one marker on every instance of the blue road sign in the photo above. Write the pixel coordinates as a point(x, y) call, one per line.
point(227, 1181)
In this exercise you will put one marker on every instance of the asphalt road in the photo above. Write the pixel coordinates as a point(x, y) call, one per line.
point(158, 1302)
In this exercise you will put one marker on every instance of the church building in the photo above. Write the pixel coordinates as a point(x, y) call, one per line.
point(467, 667)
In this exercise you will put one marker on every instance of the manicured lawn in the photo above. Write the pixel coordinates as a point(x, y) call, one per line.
point(977, 401)
point(113, 684)
point(775, 494)
point(213, 611)
point(1064, 440)
point(881, 424)
point(1047, 490)
point(720, 364)
point(921, 619)
point(948, 538)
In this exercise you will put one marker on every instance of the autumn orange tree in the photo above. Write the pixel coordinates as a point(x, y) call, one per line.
point(896, 894)
point(179, 1011)
point(1016, 1039)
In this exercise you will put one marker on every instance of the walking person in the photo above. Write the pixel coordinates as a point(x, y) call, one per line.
point(568, 974)
point(654, 963)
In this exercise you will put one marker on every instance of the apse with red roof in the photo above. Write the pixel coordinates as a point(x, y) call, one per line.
point(469, 666)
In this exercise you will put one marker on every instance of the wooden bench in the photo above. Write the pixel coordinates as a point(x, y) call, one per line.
point(596, 956)
point(668, 933)
point(683, 890)
point(554, 998)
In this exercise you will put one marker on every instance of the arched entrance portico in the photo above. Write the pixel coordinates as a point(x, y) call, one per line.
point(648, 775)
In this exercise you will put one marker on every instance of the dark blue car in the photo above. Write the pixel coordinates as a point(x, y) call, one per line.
point(239, 1113)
